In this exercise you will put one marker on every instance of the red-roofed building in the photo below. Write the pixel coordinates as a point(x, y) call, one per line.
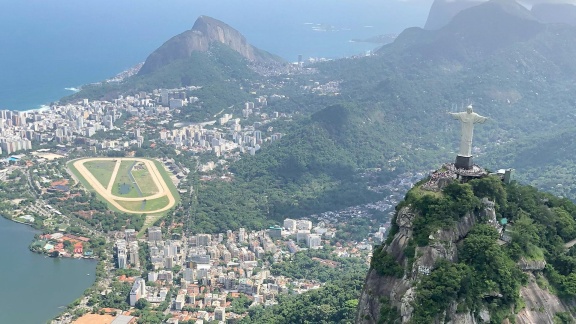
point(78, 248)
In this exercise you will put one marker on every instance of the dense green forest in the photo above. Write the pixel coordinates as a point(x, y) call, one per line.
point(539, 223)
point(304, 266)
point(335, 302)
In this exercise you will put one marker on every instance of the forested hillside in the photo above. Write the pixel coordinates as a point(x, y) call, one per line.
point(478, 275)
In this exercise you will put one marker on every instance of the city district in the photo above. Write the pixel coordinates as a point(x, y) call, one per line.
point(94, 178)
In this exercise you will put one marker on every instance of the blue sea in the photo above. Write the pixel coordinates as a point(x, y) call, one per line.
point(48, 46)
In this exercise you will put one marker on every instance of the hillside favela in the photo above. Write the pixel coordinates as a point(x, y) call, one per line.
point(334, 162)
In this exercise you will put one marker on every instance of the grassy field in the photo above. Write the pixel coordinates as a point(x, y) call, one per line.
point(142, 176)
point(168, 181)
point(136, 207)
point(102, 170)
point(123, 178)
point(81, 178)
point(150, 205)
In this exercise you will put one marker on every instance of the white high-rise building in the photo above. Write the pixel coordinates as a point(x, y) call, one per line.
point(138, 291)
point(134, 257)
point(290, 224)
point(242, 235)
point(314, 241)
point(79, 122)
point(179, 302)
point(220, 314)
point(154, 234)
point(165, 98)
point(121, 254)
point(304, 224)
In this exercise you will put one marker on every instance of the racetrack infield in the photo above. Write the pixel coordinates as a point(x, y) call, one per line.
point(162, 198)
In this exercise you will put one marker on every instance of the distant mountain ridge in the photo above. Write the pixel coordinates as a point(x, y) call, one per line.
point(205, 32)
point(472, 33)
point(442, 11)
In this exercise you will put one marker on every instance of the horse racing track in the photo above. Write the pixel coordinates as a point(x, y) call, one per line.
point(130, 185)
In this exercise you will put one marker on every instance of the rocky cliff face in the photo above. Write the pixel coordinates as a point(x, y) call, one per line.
point(205, 32)
point(541, 305)
point(396, 289)
point(400, 292)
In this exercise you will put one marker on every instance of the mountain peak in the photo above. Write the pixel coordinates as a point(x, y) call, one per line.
point(204, 24)
point(442, 12)
point(205, 32)
point(473, 33)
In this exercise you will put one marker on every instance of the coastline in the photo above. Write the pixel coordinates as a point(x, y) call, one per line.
point(119, 77)
point(39, 110)
point(41, 252)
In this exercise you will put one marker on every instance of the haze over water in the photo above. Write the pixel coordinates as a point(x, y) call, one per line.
point(50, 45)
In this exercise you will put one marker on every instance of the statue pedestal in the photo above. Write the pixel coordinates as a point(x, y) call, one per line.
point(463, 162)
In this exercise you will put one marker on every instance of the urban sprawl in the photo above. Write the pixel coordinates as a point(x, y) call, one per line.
point(199, 275)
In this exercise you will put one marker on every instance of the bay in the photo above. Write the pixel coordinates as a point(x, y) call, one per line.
point(33, 288)
point(48, 46)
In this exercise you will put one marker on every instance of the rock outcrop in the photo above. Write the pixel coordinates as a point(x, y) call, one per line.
point(442, 245)
point(541, 305)
point(400, 292)
point(442, 12)
point(531, 265)
point(396, 289)
point(204, 33)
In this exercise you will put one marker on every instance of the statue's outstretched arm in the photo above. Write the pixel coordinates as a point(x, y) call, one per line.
point(455, 115)
point(480, 119)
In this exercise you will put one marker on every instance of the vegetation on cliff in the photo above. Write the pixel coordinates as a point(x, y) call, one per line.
point(486, 275)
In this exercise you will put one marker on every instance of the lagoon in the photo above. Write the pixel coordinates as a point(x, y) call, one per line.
point(34, 288)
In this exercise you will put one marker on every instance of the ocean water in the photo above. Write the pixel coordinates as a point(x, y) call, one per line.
point(48, 46)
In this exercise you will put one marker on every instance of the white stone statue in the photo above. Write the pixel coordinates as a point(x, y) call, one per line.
point(467, 120)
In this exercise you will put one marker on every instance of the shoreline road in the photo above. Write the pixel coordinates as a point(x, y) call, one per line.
point(106, 193)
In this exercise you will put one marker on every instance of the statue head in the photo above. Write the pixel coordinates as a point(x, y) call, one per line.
point(469, 109)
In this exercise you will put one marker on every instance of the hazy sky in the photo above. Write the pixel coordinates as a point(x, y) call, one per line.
point(527, 2)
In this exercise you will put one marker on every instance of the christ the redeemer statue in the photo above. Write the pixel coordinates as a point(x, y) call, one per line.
point(467, 120)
